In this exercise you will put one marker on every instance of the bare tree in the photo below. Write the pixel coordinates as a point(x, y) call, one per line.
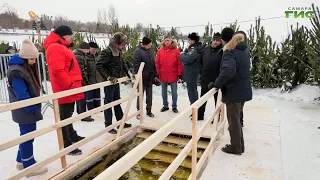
point(12, 15)
point(113, 19)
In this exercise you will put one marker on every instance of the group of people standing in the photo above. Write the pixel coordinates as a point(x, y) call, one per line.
point(225, 65)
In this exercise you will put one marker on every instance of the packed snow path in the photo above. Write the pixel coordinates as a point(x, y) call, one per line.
point(281, 135)
point(281, 140)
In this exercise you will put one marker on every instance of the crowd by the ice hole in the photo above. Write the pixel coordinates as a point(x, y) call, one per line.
point(224, 64)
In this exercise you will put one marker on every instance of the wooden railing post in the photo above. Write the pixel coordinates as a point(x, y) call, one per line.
point(59, 132)
point(194, 143)
point(132, 95)
point(141, 100)
point(216, 118)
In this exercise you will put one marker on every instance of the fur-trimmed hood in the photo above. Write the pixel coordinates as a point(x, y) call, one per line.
point(236, 40)
point(174, 44)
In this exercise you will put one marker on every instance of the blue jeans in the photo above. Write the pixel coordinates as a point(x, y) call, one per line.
point(25, 152)
point(174, 92)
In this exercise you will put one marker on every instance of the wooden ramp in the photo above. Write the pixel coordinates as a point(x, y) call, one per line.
point(262, 157)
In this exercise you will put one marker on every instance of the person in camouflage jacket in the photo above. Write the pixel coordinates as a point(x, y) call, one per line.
point(82, 55)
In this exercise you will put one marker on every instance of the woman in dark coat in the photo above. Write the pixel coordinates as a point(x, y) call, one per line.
point(24, 83)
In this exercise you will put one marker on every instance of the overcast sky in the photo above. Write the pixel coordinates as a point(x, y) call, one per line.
point(167, 13)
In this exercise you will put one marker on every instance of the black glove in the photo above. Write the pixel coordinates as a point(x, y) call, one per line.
point(113, 80)
point(211, 85)
point(179, 77)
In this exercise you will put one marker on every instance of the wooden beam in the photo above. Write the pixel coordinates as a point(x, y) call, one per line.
point(204, 98)
point(132, 95)
point(55, 126)
point(45, 98)
point(59, 131)
point(194, 143)
point(62, 152)
point(183, 154)
point(90, 159)
point(116, 170)
point(216, 118)
point(141, 101)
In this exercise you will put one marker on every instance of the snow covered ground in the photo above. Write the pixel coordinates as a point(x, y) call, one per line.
point(295, 114)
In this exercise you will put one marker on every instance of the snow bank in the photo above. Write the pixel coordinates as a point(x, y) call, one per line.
point(303, 92)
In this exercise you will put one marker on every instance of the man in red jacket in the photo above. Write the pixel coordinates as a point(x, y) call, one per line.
point(64, 74)
point(170, 69)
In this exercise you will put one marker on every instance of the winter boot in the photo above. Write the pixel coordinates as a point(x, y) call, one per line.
point(75, 152)
point(231, 150)
point(138, 116)
point(87, 119)
point(113, 131)
point(175, 110)
point(19, 166)
point(38, 172)
point(164, 109)
point(149, 113)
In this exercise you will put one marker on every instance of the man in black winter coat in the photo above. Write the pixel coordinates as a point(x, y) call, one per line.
point(112, 66)
point(235, 83)
point(210, 60)
point(149, 75)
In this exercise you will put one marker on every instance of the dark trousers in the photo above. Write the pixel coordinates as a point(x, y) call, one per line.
point(204, 90)
point(25, 151)
point(235, 128)
point(148, 90)
point(241, 114)
point(93, 99)
point(192, 91)
point(112, 93)
point(66, 111)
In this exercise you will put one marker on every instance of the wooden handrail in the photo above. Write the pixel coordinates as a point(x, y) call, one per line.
point(45, 98)
point(59, 124)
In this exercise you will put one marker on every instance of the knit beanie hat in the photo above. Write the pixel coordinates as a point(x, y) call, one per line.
point(194, 36)
point(216, 36)
point(227, 34)
point(63, 30)
point(146, 41)
point(84, 45)
point(93, 45)
point(119, 38)
point(28, 50)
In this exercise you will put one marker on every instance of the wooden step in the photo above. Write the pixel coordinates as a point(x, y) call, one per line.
point(174, 149)
point(167, 158)
point(175, 140)
point(169, 148)
point(160, 167)
point(138, 173)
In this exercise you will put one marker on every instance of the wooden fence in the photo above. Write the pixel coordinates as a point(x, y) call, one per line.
point(59, 124)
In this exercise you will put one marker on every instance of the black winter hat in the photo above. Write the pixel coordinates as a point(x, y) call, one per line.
point(84, 45)
point(118, 38)
point(216, 36)
point(63, 30)
point(93, 45)
point(146, 41)
point(227, 34)
point(194, 36)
